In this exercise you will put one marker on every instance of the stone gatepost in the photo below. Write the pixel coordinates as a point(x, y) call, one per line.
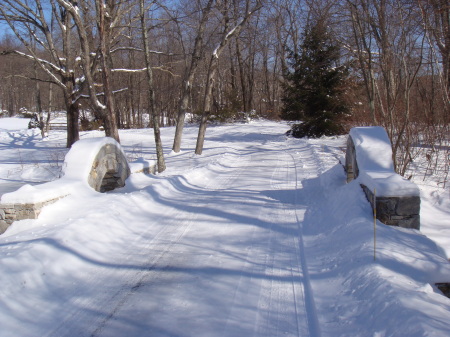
point(368, 159)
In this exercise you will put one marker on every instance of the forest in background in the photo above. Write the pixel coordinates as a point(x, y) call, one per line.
point(124, 60)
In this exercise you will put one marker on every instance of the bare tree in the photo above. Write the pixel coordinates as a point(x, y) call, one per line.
point(436, 23)
point(108, 17)
point(436, 19)
point(105, 11)
point(389, 47)
point(230, 28)
point(362, 48)
point(151, 91)
point(30, 23)
point(189, 76)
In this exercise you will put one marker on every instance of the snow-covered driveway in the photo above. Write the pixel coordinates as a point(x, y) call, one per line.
point(259, 236)
point(214, 252)
point(221, 256)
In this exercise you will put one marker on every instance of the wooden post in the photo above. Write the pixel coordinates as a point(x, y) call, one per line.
point(374, 223)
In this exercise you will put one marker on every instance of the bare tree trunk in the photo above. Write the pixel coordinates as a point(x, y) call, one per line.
point(242, 76)
point(73, 115)
point(436, 20)
point(39, 103)
point(110, 121)
point(189, 78)
point(104, 18)
point(151, 92)
point(364, 55)
point(207, 104)
point(226, 35)
point(50, 106)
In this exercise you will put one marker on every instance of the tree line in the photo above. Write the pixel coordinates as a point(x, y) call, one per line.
point(140, 63)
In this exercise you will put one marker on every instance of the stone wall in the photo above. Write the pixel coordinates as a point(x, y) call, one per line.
point(396, 211)
point(13, 212)
point(401, 210)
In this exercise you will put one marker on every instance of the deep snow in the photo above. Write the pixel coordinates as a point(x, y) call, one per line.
point(258, 236)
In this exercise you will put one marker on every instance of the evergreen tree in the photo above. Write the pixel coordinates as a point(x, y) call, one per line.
point(314, 89)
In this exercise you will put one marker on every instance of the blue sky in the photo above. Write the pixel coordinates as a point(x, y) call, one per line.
point(4, 29)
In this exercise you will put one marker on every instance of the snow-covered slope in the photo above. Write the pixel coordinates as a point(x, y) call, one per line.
point(259, 236)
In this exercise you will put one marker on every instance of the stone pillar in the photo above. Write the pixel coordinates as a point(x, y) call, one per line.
point(351, 165)
point(109, 170)
point(399, 207)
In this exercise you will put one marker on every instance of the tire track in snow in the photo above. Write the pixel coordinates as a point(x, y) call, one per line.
point(166, 238)
point(285, 178)
point(262, 258)
point(278, 294)
point(311, 311)
point(285, 301)
point(278, 312)
point(149, 273)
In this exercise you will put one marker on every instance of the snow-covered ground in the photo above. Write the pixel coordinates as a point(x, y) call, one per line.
point(259, 236)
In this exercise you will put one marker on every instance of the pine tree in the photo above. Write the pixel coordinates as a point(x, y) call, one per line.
point(314, 90)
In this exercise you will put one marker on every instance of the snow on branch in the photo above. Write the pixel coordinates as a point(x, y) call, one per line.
point(100, 94)
point(231, 32)
point(42, 62)
point(119, 90)
point(156, 52)
point(236, 29)
point(216, 51)
point(68, 5)
point(122, 70)
point(31, 57)
point(127, 49)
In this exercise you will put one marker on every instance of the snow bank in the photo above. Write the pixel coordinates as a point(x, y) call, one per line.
point(393, 295)
point(13, 123)
point(142, 165)
point(376, 169)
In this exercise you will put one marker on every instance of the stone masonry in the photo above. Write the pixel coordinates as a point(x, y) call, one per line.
point(12, 212)
point(109, 170)
point(402, 211)
point(396, 211)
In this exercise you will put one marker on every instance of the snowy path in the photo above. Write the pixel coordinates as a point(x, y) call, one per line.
point(260, 236)
point(210, 271)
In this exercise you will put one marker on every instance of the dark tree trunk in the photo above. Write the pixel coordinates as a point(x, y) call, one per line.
point(73, 114)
